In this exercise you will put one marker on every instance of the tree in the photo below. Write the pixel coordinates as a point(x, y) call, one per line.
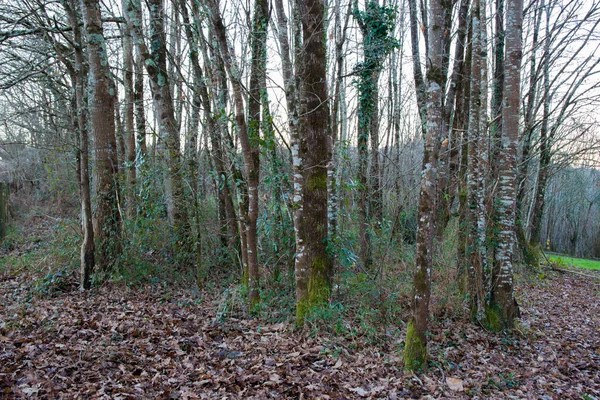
point(101, 103)
point(376, 24)
point(129, 123)
point(415, 350)
point(258, 44)
point(477, 156)
point(250, 144)
point(502, 301)
point(313, 263)
point(87, 253)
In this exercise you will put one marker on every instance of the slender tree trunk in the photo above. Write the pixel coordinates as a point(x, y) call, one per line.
point(292, 102)
point(258, 43)
point(140, 117)
point(101, 103)
point(477, 162)
point(415, 351)
point(530, 256)
point(376, 25)
point(450, 148)
point(4, 197)
point(461, 127)
point(498, 86)
point(249, 148)
point(363, 180)
point(200, 89)
point(418, 74)
point(545, 149)
point(129, 131)
point(87, 251)
point(340, 39)
point(376, 207)
point(313, 264)
point(502, 301)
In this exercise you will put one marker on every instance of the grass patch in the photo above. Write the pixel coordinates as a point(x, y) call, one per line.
point(575, 262)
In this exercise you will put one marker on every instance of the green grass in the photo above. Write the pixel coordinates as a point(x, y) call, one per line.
point(576, 262)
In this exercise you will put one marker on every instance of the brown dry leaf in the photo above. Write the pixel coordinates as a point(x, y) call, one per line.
point(455, 384)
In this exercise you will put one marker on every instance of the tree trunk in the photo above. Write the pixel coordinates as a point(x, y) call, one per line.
point(250, 150)
point(80, 73)
point(258, 43)
point(461, 128)
point(416, 57)
point(140, 117)
point(229, 218)
point(101, 103)
point(292, 102)
point(448, 181)
point(502, 309)
point(477, 164)
point(129, 128)
point(530, 256)
point(313, 264)
point(336, 120)
point(376, 25)
point(415, 351)
point(545, 149)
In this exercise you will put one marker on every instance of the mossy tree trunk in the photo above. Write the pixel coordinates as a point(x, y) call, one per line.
point(101, 104)
point(502, 299)
point(415, 350)
point(223, 147)
point(313, 264)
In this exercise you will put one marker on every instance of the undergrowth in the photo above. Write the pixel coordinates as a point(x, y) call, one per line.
point(365, 306)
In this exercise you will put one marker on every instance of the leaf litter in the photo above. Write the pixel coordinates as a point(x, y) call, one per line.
point(155, 342)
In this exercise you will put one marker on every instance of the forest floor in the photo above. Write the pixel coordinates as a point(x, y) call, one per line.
point(160, 342)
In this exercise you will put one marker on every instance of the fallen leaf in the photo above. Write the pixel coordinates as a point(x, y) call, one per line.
point(455, 384)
